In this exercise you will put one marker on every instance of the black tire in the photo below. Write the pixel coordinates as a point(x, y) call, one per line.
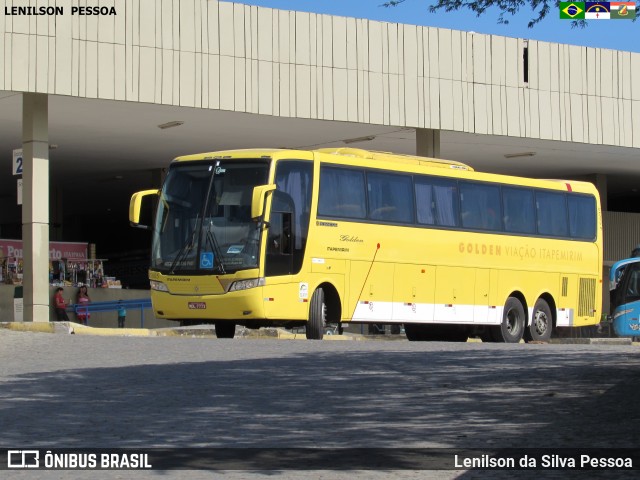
point(317, 316)
point(414, 332)
point(511, 329)
point(225, 329)
point(541, 323)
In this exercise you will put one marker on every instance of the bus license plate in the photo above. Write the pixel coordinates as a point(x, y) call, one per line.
point(197, 305)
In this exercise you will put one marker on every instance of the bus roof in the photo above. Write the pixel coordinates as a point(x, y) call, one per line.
point(464, 171)
point(395, 157)
point(246, 153)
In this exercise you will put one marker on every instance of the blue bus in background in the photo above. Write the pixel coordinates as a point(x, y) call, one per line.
point(624, 296)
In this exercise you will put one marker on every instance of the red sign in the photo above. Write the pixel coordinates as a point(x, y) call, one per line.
point(57, 250)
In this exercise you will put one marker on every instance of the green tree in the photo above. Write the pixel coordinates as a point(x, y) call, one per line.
point(540, 8)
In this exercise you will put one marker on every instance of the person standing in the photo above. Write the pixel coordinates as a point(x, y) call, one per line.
point(122, 314)
point(83, 299)
point(60, 305)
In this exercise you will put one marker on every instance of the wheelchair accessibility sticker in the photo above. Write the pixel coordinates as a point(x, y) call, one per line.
point(206, 260)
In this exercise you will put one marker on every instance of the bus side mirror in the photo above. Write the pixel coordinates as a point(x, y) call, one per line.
point(136, 205)
point(258, 198)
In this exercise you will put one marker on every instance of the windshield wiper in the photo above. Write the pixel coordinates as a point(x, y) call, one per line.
point(211, 239)
point(186, 248)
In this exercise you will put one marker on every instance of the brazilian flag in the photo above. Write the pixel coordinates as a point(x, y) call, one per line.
point(571, 10)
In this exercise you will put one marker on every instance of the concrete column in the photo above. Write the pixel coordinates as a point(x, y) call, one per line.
point(35, 206)
point(600, 182)
point(428, 142)
point(157, 177)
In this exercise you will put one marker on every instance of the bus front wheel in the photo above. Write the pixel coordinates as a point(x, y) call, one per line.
point(541, 323)
point(225, 329)
point(512, 327)
point(317, 316)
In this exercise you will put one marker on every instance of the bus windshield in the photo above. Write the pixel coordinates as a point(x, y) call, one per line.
point(203, 223)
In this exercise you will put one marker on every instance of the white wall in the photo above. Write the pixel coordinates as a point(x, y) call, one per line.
point(220, 55)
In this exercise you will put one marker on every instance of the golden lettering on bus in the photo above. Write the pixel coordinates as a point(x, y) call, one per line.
point(560, 254)
point(522, 252)
point(480, 249)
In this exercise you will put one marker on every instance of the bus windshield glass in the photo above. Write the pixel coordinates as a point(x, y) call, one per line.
point(203, 223)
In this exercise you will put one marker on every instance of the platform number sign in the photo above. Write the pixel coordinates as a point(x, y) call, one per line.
point(17, 161)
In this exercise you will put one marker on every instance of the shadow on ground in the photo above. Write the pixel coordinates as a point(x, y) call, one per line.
point(475, 397)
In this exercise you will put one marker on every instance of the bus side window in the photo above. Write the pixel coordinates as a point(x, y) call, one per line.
point(425, 203)
point(390, 197)
point(552, 214)
point(632, 285)
point(436, 201)
point(519, 212)
point(480, 206)
point(342, 193)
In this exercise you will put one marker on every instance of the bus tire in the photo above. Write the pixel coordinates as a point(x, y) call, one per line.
point(317, 316)
point(511, 329)
point(414, 332)
point(541, 323)
point(225, 329)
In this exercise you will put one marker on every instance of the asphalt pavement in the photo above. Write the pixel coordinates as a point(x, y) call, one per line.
point(61, 390)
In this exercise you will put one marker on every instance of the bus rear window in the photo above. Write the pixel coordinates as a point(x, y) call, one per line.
point(582, 216)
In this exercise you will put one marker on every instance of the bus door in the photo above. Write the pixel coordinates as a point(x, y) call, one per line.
point(625, 298)
point(287, 231)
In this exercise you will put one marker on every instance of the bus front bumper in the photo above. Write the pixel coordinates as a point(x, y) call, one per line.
point(240, 305)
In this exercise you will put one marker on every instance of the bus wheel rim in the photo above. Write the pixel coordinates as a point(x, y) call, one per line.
point(512, 322)
point(540, 322)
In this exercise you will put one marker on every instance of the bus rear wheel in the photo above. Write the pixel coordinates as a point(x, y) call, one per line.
point(317, 316)
point(225, 329)
point(511, 329)
point(541, 323)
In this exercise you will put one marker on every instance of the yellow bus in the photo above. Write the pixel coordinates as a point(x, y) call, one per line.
point(327, 237)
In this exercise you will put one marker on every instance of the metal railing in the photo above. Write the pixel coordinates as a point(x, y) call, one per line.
point(112, 306)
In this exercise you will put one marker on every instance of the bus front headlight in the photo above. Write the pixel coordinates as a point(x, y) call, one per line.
point(246, 284)
point(159, 286)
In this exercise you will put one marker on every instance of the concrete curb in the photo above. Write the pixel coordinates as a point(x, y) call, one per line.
point(591, 341)
point(40, 327)
point(265, 333)
point(79, 329)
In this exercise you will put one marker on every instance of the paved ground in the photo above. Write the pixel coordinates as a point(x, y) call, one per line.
point(76, 391)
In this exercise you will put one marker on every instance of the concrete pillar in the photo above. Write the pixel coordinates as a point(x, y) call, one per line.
point(157, 177)
point(428, 142)
point(600, 181)
point(35, 206)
